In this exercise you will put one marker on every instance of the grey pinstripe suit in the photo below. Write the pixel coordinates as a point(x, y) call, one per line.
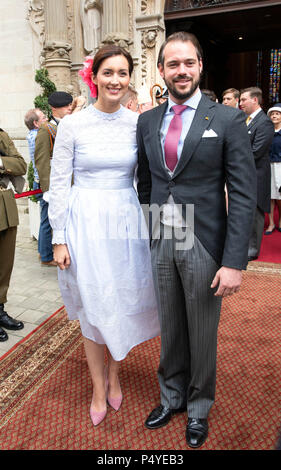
point(189, 312)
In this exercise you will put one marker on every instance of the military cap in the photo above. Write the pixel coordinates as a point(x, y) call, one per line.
point(58, 99)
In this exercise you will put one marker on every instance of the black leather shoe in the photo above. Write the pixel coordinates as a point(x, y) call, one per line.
point(3, 335)
point(196, 432)
point(8, 322)
point(160, 416)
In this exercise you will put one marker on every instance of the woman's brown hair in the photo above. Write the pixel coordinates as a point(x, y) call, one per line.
point(109, 51)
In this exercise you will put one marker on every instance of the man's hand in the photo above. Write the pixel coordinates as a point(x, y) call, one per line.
point(61, 256)
point(228, 281)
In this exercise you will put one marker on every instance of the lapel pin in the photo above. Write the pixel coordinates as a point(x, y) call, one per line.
point(207, 119)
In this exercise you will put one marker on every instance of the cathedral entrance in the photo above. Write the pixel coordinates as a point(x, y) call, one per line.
point(240, 39)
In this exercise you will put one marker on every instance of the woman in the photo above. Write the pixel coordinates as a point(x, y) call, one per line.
point(275, 163)
point(105, 273)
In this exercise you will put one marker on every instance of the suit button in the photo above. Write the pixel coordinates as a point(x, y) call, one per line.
point(172, 184)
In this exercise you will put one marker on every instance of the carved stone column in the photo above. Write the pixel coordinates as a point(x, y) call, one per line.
point(115, 24)
point(57, 46)
point(150, 33)
point(77, 52)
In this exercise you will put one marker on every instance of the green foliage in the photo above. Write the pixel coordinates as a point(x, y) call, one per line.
point(30, 176)
point(30, 179)
point(41, 101)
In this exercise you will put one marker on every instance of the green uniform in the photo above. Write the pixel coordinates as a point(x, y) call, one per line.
point(14, 165)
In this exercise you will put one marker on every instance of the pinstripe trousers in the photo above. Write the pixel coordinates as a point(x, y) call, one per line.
point(189, 317)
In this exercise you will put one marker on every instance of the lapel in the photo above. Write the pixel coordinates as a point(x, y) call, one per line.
point(201, 121)
point(155, 124)
point(254, 121)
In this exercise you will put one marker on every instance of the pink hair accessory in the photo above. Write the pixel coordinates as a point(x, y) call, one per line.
point(86, 74)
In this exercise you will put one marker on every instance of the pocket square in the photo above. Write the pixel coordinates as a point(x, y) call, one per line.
point(209, 133)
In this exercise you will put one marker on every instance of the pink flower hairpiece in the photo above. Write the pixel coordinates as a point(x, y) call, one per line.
point(86, 74)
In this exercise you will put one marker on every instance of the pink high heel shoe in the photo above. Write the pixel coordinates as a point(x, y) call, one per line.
point(98, 416)
point(115, 403)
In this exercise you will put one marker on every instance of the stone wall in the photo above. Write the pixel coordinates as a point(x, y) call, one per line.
point(18, 62)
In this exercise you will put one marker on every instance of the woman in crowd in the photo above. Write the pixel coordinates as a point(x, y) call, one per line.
point(275, 162)
point(99, 232)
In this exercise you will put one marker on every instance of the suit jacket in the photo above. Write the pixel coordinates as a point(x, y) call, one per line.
point(44, 143)
point(14, 165)
point(205, 165)
point(261, 132)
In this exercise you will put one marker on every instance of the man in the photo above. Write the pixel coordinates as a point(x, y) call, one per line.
point(61, 105)
point(261, 133)
point(12, 164)
point(211, 94)
point(130, 99)
point(144, 99)
point(187, 163)
point(230, 97)
point(33, 120)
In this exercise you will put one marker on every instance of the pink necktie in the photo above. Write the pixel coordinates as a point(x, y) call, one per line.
point(173, 137)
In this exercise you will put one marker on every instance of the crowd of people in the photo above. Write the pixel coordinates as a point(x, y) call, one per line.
point(190, 157)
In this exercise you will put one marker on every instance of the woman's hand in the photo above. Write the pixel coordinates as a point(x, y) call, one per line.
point(61, 256)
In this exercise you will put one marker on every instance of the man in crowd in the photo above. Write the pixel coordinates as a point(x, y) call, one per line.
point(230, 97)
point(144, 99)
point(188, 148)
point(33, 120)
point(12, 166)
point(61, 105)
point(261, 133)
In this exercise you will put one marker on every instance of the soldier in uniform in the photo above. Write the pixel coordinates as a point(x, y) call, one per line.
point(12, 165)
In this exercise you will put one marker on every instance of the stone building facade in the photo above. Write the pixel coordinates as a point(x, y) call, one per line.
point(57, 35)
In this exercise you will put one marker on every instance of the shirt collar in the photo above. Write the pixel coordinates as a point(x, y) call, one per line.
point(253, 115)
point(192, 102)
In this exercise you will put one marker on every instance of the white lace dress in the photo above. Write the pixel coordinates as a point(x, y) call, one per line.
point(108, 286)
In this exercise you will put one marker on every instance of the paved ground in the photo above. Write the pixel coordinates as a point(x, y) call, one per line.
point(33, 294)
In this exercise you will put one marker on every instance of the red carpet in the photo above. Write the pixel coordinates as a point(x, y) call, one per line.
point(271, 244)
point(45, 387)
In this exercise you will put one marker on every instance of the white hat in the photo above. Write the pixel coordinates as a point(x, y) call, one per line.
point(275, 107)
point(144, 95)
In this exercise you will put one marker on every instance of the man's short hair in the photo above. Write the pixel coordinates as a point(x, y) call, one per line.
point(131, 94)
point(182, 36)
point(30, 117)
point(210, 93)
point(236, 93)
point(254, 92)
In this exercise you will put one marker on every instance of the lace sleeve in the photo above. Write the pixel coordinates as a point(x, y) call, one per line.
point(60, 180)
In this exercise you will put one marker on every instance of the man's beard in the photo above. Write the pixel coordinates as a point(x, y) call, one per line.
point(182, 95)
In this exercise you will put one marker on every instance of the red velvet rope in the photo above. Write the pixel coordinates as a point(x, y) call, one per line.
point(28, 193)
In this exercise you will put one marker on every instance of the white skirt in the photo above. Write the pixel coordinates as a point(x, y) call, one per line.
point(109, 285)
point(275, 180)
